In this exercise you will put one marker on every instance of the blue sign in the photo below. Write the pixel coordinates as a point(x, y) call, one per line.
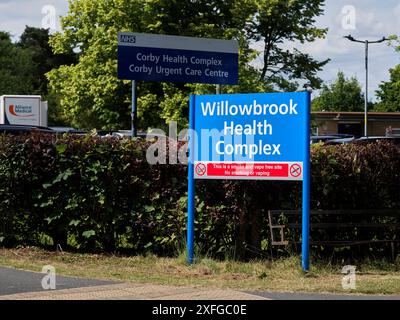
point(165, 58)
point(251, 136)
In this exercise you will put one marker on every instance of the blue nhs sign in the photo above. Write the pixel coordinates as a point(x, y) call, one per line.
point(257, 136)
point(166, 58)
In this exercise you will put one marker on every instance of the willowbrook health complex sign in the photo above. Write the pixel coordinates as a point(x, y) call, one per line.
point(263, 136)
point(250, 136)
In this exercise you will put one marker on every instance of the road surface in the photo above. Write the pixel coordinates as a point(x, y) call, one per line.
point(18, 284)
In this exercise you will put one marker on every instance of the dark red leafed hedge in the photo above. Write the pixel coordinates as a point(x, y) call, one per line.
point(100, 194)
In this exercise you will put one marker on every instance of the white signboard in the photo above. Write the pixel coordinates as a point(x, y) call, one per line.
point(22, 110)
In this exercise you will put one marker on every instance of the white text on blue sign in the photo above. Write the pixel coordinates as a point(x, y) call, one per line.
point(177, 59)
point(265, 129)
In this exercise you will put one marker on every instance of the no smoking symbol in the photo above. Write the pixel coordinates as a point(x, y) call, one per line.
point(295, 170)
point(201, 169)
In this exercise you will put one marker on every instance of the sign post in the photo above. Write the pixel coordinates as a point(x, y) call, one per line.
point(134, 110)
point(305, 228)
point(191, 190)
point(154, 57)
point(263, 136)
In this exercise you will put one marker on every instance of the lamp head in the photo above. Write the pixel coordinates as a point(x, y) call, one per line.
point(349, 37)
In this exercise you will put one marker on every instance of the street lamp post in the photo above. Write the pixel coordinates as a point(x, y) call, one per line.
point(366, 42)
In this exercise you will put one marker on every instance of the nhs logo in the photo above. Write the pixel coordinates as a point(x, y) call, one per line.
point(125, 38)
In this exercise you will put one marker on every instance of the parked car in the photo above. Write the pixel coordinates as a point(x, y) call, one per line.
point(22, 129)
point(366, 140)
point(70, 130)
point(343, 135)
point(340, 141)
point(62, 129)
point(140, 134)
point(324, 138)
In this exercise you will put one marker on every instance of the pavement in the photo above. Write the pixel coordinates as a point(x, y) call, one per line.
point(130, 291)
point(23, 285)
point(13, 281)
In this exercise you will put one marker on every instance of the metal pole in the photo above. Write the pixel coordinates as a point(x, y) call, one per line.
point(218, 89)
point(366, 91)
point(191, 184)
point(366, 43)
point(134, 110)
point(305, 233)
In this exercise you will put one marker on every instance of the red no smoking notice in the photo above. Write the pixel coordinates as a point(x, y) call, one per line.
point(249, 170)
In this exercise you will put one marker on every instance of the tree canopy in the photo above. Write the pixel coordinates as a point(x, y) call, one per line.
point(342, 95)
point(389, 92)
point(36, 41)
point(24, 64)
point(278, 23)
point(15, 68)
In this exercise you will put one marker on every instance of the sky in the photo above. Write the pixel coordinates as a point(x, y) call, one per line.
point(363, 19)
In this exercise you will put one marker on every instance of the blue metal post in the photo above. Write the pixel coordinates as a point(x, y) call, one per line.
point(305, 238)
point(134, 110)
point(191, 185)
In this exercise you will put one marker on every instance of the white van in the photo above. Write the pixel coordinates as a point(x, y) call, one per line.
point(23, 110)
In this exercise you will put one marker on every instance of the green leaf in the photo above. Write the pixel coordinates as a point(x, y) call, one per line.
point(63, 176)
point(74, 222)
point(88, 234)
point(200, 206)
point(102, 199)
point(149, 208)
point(49, 203)
point(61, 148)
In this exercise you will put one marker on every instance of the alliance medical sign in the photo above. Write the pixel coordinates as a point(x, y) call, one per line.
point(21, 110)
point(153, 57)
point(250, 136)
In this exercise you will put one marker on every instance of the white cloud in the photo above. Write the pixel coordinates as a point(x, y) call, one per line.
point(374, 19)
point(15, 15)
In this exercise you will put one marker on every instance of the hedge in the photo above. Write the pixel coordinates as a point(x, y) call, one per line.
point(100, 194)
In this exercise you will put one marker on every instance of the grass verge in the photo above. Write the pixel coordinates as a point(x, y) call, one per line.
point(283, 275)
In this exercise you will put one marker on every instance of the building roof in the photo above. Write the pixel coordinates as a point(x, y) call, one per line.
point(338, 115)
point(356, 113)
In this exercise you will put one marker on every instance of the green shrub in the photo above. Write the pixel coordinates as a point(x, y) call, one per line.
point(100, 194)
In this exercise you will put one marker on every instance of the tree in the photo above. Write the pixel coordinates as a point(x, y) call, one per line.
point(92, 96)
point(389, 93)
point(278, 23)
point(15, 68)
point(36, 41)
point(342, 95)
point(24, 64)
